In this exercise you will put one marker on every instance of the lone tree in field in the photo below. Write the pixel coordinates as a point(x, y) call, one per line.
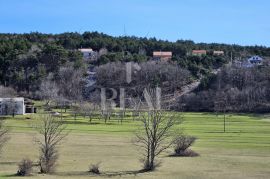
point(221, 105)
point(52, 133)
point(155, 135)
point(3, 135)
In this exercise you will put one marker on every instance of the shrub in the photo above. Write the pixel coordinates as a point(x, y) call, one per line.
point(94, 168)
point(181, 145)
point(148, 167)
point(25, 167)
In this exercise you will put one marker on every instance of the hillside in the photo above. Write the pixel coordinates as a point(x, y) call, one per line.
point(27, 58)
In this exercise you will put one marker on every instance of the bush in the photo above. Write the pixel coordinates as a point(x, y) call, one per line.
point(94, 168)
point(181, 145)
point(147, 167)
point(25, 167)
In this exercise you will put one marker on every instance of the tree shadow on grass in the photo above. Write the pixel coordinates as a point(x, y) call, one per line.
point(227, 132)
point(8, 163)
point(109, 123)
point(80, 122)
point(121, 173)
point(102, 174)
point(9, 176)
point(189, 153)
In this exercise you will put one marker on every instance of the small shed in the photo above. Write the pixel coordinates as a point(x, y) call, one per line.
point(29, 106)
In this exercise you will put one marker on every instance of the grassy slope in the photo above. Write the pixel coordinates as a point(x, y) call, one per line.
point(241, 152)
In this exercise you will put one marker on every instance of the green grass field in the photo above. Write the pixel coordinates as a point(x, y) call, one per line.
point(242, 152)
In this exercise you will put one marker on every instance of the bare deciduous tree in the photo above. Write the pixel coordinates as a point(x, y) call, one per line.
point(154, 136)
point(135, 105)
point(70, 82)
point(63, 104)
point(48, 90)
point(106, 112)
point(168, 76)
point(87, 109)
point(52, 132)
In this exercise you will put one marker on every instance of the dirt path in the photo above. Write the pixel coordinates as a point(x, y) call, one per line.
point(172, 99)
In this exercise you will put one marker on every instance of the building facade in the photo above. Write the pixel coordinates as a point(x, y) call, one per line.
point(218, 52)
point(250, 62)
point(87, 53)
point(199, 52)
point(12, 106)
point(255, 60)
point(165, 56)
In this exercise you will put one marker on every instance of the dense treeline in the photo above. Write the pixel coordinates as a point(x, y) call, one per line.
point(168, 77)
point(26, 59)
point(24, 65)
point(234, 89)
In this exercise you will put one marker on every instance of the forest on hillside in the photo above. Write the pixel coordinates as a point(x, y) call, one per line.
point(26, 59)
point(233, 89)
point(29, 63)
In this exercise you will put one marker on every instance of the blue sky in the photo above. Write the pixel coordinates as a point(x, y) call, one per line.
point(244, 22)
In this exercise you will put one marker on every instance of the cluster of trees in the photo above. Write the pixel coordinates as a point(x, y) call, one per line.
point(6, 92)
point(235, 89)
point(66, 86)
point(167, 76)
point(25, 64)
point(26, 59)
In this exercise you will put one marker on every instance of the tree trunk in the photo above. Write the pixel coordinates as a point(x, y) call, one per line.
point(75, 116)
point(224, 123)
point(61, 112)
point(90, 118)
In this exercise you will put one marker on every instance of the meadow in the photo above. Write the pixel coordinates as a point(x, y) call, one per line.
point(243, 151)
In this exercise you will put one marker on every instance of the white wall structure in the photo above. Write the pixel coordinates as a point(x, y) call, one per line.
point(10, 106)
point(87, 53)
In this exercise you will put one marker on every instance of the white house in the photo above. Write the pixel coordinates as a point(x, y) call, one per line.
point(218, 52)
point(10, 106)
point(87, 53)
point(250, 62)
point(256, 60)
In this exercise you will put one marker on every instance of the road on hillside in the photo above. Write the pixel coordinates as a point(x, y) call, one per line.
point(172, 99)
